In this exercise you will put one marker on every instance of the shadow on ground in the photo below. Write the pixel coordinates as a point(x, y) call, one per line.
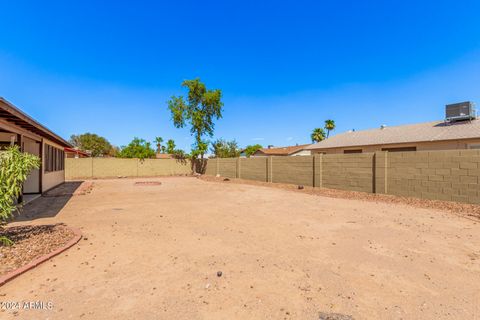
point(49, 204)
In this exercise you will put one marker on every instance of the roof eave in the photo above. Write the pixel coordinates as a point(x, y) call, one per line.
point(10, 108)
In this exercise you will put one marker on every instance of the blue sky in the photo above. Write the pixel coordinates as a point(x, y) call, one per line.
point(284, 67)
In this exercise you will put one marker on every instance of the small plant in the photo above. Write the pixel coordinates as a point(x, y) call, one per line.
point(15, 166)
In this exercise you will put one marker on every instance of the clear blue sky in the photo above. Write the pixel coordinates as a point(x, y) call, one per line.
point(284, 68)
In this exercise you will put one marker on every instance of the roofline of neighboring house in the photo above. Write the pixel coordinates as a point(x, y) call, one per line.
point(73, 150)
point(386, 144)
point(303, 147)
point(30, 122)
point(315, 146)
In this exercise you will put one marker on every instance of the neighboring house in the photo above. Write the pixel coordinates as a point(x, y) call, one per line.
point(456, 132)
point(17, 128)
point(298, 150)
point(75, 153)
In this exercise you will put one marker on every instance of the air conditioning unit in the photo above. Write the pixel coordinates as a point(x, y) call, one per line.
point(460, 111)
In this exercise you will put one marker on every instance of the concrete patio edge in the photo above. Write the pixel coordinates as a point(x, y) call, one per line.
point(17, 272)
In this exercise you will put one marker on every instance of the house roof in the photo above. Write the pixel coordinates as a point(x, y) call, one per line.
point(14, 115)
point(283, 151)
point(76, 151)
point(419, 132)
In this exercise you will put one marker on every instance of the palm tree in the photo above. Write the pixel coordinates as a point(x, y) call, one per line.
point(158, 142)
point(318, 135)
point(329, 126)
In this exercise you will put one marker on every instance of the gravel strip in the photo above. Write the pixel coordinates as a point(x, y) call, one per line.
point(31, 242)
point(463, 209)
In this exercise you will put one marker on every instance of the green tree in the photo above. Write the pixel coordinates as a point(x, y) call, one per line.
point(94, 144)
point(318, 135)
point(158, 142)
point(199, 110)
point(329, 126)
point(15, 166)
point(138, 148)
point(225, 149)
point(171, 146)
point(251, 149)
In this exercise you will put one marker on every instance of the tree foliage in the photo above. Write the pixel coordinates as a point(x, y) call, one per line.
point(171, 146)
point(96, 145)
point(199, 110)
point(225, 149)
point(318, 135)
point(138, 148)
point(329, 126)
point(158, 142)
point(251, 149)
point(15, 166)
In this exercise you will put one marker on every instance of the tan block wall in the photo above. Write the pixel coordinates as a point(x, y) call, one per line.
point(348, 171)
point(211, 167)
point(108, 167)
point(78, 168)
point(227, 167)
point(253, 168)
point(451, 175)
point(441, 175)
point(294, 170)
point(88, 168)
point(163, 167)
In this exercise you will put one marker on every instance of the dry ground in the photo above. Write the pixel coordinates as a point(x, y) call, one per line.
point(153, 252)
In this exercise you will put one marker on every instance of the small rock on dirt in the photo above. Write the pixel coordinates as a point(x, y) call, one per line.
point(333, 316)
point(219, 273)
point(226, 179)
point(300, 187)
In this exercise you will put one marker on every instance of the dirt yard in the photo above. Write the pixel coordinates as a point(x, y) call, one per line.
point(153, 252)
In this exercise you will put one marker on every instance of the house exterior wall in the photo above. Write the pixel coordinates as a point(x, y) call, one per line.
point(54, 178)
point(421, 146)
point(32, 184)
point(298, 153)
point(48, 179)
point(301, 153)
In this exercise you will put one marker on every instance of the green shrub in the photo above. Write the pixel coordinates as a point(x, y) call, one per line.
point(15, 167)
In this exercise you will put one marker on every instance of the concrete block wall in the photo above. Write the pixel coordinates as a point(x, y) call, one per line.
point(451, 175)
point(295, 170)
point(348, 172)
point(90, 168)
point(441, 175)
point(253, 169)
point(227, 167)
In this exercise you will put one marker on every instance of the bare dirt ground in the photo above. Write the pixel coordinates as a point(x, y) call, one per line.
point(153, 252)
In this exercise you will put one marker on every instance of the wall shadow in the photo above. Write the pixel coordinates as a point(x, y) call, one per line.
point(49, 204)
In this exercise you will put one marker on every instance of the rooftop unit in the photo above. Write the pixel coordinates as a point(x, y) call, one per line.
point(460, 111)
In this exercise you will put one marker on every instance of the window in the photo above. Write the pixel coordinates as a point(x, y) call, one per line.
point(353, 151)
point(400, 149)
point(54, 159)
